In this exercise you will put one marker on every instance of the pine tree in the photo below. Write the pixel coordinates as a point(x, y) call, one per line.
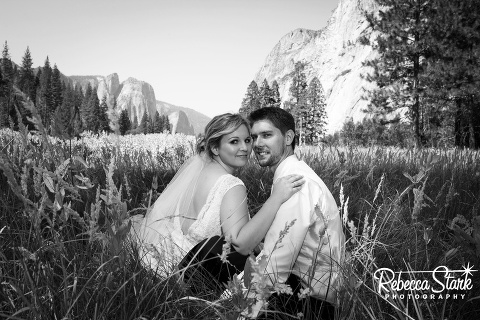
point(151, 124)
point(276, 100)
point(453, 73)
point(399, 69)
point(124, 122)
point(251, 102)
point(7, 66)
point(63, 122)
point(166, 124)
point(56, 85)
point(38, 80)
point(6, 88)
point(85, 108)
point(76, 121)
point(103, 120)
point(297, 103)
point(44, 100)
point(94, 112)
point(265, 95)
point(15, 101)
point(145, 123)
point(316, 115)
point(3, 101)
point(76, 112)
point(26, 80)
point(37, 83)
point(157, 123)
point(15, 72)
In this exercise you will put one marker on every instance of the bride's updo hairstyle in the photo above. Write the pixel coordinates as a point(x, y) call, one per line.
point(218, 127)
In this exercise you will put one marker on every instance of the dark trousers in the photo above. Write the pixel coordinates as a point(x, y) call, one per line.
point(204, 270)
point(280, 306)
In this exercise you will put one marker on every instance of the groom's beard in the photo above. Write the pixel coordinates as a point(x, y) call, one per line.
point(265, 158)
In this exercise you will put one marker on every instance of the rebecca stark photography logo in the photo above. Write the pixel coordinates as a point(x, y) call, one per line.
point(436, 284)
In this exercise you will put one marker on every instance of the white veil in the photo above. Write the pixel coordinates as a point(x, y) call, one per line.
point(161, 226)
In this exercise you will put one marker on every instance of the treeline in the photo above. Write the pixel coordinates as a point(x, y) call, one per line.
point(159, 124)
point(428, 69)
point(66, 109)
point(306, 103)
point(370, 132)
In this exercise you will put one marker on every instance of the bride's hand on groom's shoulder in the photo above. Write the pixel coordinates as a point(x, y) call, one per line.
point(287, 186)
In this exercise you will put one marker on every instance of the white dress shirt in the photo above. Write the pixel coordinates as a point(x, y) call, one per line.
point(313, 247)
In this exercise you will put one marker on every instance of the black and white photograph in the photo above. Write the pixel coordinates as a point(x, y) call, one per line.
point(234, 160)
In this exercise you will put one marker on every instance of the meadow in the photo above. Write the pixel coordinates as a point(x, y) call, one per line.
point(65, 251)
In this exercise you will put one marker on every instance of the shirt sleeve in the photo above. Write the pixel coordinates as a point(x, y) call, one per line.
point(286, 235)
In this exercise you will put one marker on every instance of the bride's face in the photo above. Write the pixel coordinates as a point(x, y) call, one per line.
point(235, 148)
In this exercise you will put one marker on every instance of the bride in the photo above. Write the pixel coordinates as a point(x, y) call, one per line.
point(205, 201)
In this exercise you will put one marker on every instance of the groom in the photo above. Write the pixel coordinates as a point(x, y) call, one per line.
point(308, 257)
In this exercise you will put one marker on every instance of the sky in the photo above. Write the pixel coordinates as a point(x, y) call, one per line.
point(199, 54)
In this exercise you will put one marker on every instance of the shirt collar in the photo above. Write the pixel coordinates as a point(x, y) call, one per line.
point(284, 164)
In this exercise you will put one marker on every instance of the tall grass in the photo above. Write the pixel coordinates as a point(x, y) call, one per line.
point(65, 254)
point(411, 210)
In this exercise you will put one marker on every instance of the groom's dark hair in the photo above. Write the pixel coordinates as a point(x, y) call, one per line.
point(280, 118)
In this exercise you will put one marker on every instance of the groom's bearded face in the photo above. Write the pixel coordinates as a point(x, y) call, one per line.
point(268, 143)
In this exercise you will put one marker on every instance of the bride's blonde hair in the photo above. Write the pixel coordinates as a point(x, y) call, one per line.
point(218, 127)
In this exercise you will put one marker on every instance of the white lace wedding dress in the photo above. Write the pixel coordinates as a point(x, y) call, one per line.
point(168, 245)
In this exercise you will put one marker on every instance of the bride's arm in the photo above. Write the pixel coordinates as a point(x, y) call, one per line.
point(245, 234)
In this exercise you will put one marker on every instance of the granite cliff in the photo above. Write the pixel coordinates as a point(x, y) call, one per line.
point(197, 120)
point(334, 55)
point(138, 97)
point(109, 86)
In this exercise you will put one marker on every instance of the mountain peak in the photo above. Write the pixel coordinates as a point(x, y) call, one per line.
point(132, 79)
point(334, 55)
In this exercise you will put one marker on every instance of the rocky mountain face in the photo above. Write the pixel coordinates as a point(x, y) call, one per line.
point(334, 55)
point(197, 120)
point(138, 97)
point(106, 86)
point(109, 86)
point(180, 123)
point(83, 81)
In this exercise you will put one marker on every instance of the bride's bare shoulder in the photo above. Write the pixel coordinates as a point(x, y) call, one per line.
point(207, 179)
point(211, 173)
